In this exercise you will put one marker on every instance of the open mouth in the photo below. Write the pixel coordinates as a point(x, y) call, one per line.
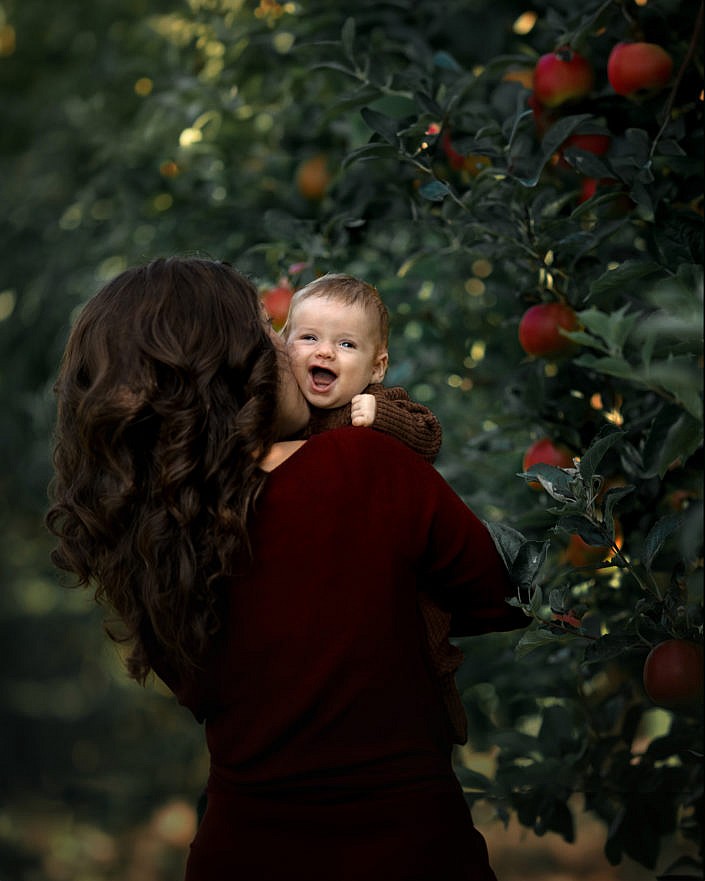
point(321, 378)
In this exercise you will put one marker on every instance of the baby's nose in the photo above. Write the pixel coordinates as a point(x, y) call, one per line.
point(325, 349)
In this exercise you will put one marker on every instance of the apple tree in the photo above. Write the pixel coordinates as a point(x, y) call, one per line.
point(534, 218)
point(524, 184)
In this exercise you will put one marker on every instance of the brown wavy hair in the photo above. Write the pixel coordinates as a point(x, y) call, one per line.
point(167, 396)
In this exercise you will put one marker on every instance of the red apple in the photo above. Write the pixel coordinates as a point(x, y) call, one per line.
point(590, 185)
point(313, 177)
point(540, 326)
point(455, 159)
point(543, 118)
point(581, 554)
point(560, 76)
point(473, 163)
point(673, 673)
point(591, 143)
point(596, 144)
point(619, 207)
point(546, 452)
point(276, 301)
point(637, 67)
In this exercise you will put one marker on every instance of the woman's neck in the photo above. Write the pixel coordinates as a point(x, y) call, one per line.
point(279, 453)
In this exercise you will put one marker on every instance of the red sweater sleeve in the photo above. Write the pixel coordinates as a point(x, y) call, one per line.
point(464, 573)
point(457, 563)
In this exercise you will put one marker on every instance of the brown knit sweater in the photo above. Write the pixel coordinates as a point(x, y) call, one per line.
point(397, 415)
point(418, 428)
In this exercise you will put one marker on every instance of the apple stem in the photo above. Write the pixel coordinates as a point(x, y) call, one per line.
point(679, 76)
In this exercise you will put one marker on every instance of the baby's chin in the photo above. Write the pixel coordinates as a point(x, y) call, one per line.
point(319, 404)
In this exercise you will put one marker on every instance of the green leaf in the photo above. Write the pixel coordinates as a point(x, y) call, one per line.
point(609, 646)
point(555, 136)
point(682, 439)
point(353, 100)
point(638, 146)
point(333, 65)
point(625, 275)
point(557, 598)
point(641, 195)
point(690, 278)
point(445, 61)
point(555, 734)
point(679, 238)
point(594, 454)
point(528, 562)
point(369, 151)
point(560, 131)
point(673, 435)
point(428, 105)
point(683, 326)
point(681, 377)
point(540, 637)
point(536, 602)
point(398, 108)
point(434, 191)
point(381, 124)
point(507, 541)
point(659, 532)
point(669, 147)
point(585, 339)
point(586, 163)
point(557, 483)
point(611, 366)
point(347, 37)
point(592, 533)
point(611, 498)
point(614, 328)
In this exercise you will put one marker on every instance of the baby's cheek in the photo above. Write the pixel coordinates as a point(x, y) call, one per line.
point(295, 356)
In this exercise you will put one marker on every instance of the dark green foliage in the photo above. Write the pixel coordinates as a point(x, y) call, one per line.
point(138, 129)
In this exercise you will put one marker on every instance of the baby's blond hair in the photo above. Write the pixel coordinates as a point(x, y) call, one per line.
point(349, 290)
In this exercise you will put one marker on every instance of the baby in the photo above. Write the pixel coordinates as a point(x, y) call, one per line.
point(337, 334)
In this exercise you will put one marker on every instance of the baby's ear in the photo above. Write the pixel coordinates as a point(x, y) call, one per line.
point(379, 367)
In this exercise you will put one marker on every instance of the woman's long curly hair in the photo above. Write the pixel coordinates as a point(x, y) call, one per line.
point(167, 402)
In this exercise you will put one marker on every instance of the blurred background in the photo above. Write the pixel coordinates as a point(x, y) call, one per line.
point(405, 142)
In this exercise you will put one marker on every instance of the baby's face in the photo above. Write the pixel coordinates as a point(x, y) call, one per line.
point(335, 350)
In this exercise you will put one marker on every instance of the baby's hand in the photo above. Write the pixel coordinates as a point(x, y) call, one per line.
point(363, 409)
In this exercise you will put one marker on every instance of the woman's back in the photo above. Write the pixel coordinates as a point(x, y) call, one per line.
point(330, 746)
point(321, 706)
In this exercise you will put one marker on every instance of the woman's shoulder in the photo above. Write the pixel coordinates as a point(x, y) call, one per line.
point(367, 446)
point(356, 437)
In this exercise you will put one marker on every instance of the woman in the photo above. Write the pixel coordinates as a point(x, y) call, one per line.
point(275, 585)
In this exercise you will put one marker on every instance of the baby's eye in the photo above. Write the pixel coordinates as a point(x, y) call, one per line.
point(309, 337)
point(348, 344)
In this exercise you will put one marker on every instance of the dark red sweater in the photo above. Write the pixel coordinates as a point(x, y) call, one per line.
point(320, 699)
